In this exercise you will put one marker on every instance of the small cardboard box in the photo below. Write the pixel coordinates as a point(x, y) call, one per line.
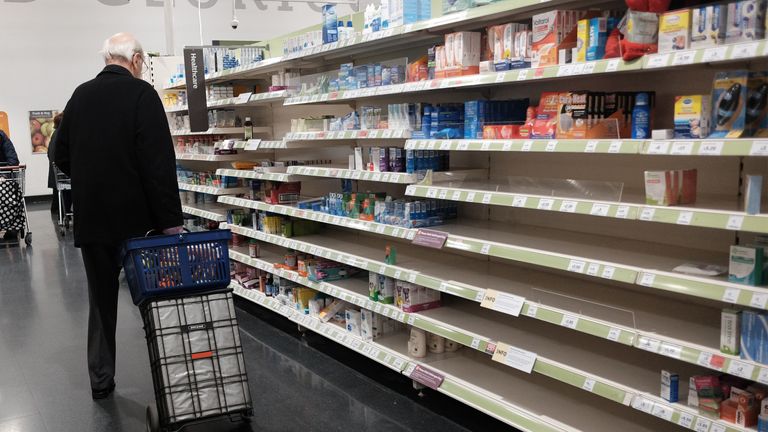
point(675, 30)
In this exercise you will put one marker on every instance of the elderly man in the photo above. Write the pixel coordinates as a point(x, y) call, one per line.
point(116, 146)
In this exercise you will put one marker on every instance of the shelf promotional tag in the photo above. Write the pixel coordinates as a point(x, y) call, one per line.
point(516, 358)
point(430, 238)
point(427, 377)
point(502, 302)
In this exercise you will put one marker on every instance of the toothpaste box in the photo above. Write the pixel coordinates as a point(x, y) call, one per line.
point(708, 25)
point(670, 383)
point(582, 40)
point(598, 35)
point(754, 336)
point(692, 116)
point(730, 331)
point(746, 265)
point(675, 30)
point(746, 21)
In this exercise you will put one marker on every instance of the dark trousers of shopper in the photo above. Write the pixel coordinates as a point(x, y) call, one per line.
point(102, 268)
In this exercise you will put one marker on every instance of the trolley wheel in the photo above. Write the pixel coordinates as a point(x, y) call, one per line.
point(28, 239)
point(153, 419)
point(62, 231)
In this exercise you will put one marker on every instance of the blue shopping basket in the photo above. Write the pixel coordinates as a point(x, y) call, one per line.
point(177, 264)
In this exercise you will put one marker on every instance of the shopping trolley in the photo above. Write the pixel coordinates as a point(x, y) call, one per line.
point(13, 208)
point(63, 185)
point(180, 284)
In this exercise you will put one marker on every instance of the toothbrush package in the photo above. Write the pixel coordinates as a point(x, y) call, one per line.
point(729, 100)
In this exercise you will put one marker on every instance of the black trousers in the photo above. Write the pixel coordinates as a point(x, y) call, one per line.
point(102, 268)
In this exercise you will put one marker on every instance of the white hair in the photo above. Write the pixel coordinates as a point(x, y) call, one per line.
point(121, 47)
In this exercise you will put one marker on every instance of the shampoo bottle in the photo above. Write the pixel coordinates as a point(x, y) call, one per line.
point(641, 117)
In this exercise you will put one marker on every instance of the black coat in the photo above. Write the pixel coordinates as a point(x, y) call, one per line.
point(7, 152)
point(51, 161)
point(115, 144)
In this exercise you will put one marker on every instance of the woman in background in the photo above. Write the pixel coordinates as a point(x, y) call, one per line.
point(52, 174)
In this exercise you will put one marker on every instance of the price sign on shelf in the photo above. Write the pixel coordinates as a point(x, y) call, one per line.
point(576, 266)
point(657, 60)
point(569, 321)
point(759, 300)
point(589, 67)
point(685, 420)
point(759, 148)
point(671, 350)
point(731, 295)
point(599, 209)
point(711, 148)
point(515, 357)
point(744, 50)
point(506, 303)
point(658, 147)
point(612, 66)
point(568, 206)
point(519, 201)
point(591, 146)
point(683, 58)
point(735, 222)
point(741, 369)
point(702, 425)
point(684, 218)
point(682, 148)
point(714, 54)
point(545, 204)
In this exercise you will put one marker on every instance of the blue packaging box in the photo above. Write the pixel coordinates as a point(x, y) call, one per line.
point(754, 336)
point(598, 36)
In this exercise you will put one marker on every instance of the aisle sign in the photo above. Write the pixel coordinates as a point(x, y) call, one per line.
point(196, 92)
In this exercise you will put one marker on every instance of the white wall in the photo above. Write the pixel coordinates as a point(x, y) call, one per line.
point(48, 47)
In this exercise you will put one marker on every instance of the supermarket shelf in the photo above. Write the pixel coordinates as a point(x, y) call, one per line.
point(681, 147)
point(733, 52)
point(209, 157)
point(703, 215)
point(213, 190)
point(177, 108)
point(266, 145)
point(616, 146)
point(349, 135)
point(214, 213)
point(586, 307)
point(251, 174)
point(239, 101)
point(484, 335)
point(383, 177)
point(220, 131)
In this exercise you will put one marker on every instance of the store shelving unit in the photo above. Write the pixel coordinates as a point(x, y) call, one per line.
point(211, 190)
point(584, 290)
point(217, 131)
point(209, 157)
point(210, 212)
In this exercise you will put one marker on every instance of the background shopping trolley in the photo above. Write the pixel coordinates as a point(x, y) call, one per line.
point(63, 186)
point(13, 208)
point(180, 283)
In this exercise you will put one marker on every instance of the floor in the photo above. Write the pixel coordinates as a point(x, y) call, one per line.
point(44, 381)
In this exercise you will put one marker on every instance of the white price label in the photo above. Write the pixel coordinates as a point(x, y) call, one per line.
point(762, 377)
point(681, 148)
point(622, 212)
point(565, 70)
point(705, 359)
point(702, 425)
point(589, 67)
point(443, 194)
point(456, 195)
point(759, 148)
point(657, 61)
point(685, 420)
point(522, 75)
point(684, 218)
point(551, 146)
point(731, 295)
point(670, 350)
point(647, 214)
point(431, 193)
point(648, 344)
point(642, 404)
point(507, 146)
point(377, 308)
point(613, 65)
point(599, 209)
point(576, 266)
point(569, 321)
point(740, 369)
point(501, 76)
point(475, 343)
point(589, 384)
point(412, 277)
point(592, 269)
point(683, 58)
point(486, 198)
point(735, 222)
point(759, 300)
point(411, 319)
point(398, 274)
point(662, 412)
point(485, 146)
point(470, 197)
point(711, 148)
point(444, 145)
point(608, 272)
point(527, 145)
point(744, 50)
point(614, 334)
point(463, 146)
point(568, 206)
point(717, 427)
point(485, 249)
point(658, 147)
point(714, 54)
point(578, 68)
point(519, 201)
point(545, 204)
point(382, 269)
point(647, 279)
point(615, 146)
point(532, 310)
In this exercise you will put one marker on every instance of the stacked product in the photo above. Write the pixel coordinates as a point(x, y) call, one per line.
point(353, 77)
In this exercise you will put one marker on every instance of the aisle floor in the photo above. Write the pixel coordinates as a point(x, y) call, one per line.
point(44, 380)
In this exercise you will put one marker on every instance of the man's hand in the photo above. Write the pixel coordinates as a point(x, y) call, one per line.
point(174, 230)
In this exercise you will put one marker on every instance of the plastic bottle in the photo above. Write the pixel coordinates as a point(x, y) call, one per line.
point(350, 30)
point(641, 117)
point(248, 128)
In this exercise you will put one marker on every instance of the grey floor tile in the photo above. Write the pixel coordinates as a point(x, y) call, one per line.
point(32, 423)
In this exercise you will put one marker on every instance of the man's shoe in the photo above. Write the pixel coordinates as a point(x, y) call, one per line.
point(103, 393)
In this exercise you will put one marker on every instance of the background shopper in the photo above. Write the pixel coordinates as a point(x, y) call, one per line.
point(116, 146)
point(66, 196)
point(7, 151)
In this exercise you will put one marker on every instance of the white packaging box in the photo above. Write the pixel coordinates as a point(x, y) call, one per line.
point(730, 331)
point(466, 49)
point(708, 25)
point(354, 321)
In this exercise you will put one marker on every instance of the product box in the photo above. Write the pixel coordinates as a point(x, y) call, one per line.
point(729, 97)
point(462, 53)
point(414, 298)
point(283, 193)
point(545, 123)
point(548, 31)
point(582, 40)
point(754, 336)
point(371, 325)
point(387, 293)
point(730, 331)
point(710, 395)
point(746, 265)
point(693, 396)
point(667, 188)
point(598, 35)
point(353, 321)
point(330, 24)
point(756, 119)
point(746, 21)
point(331, 310)
point(572, 121)
point(675, 30)
point(753, 193)
point(692, 116)
point(708, 25)
point(670, 383)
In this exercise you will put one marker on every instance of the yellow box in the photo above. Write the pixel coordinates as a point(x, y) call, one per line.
point(582, 40)
point(675, 30)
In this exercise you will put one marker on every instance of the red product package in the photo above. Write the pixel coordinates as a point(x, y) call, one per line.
point(657, 6)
